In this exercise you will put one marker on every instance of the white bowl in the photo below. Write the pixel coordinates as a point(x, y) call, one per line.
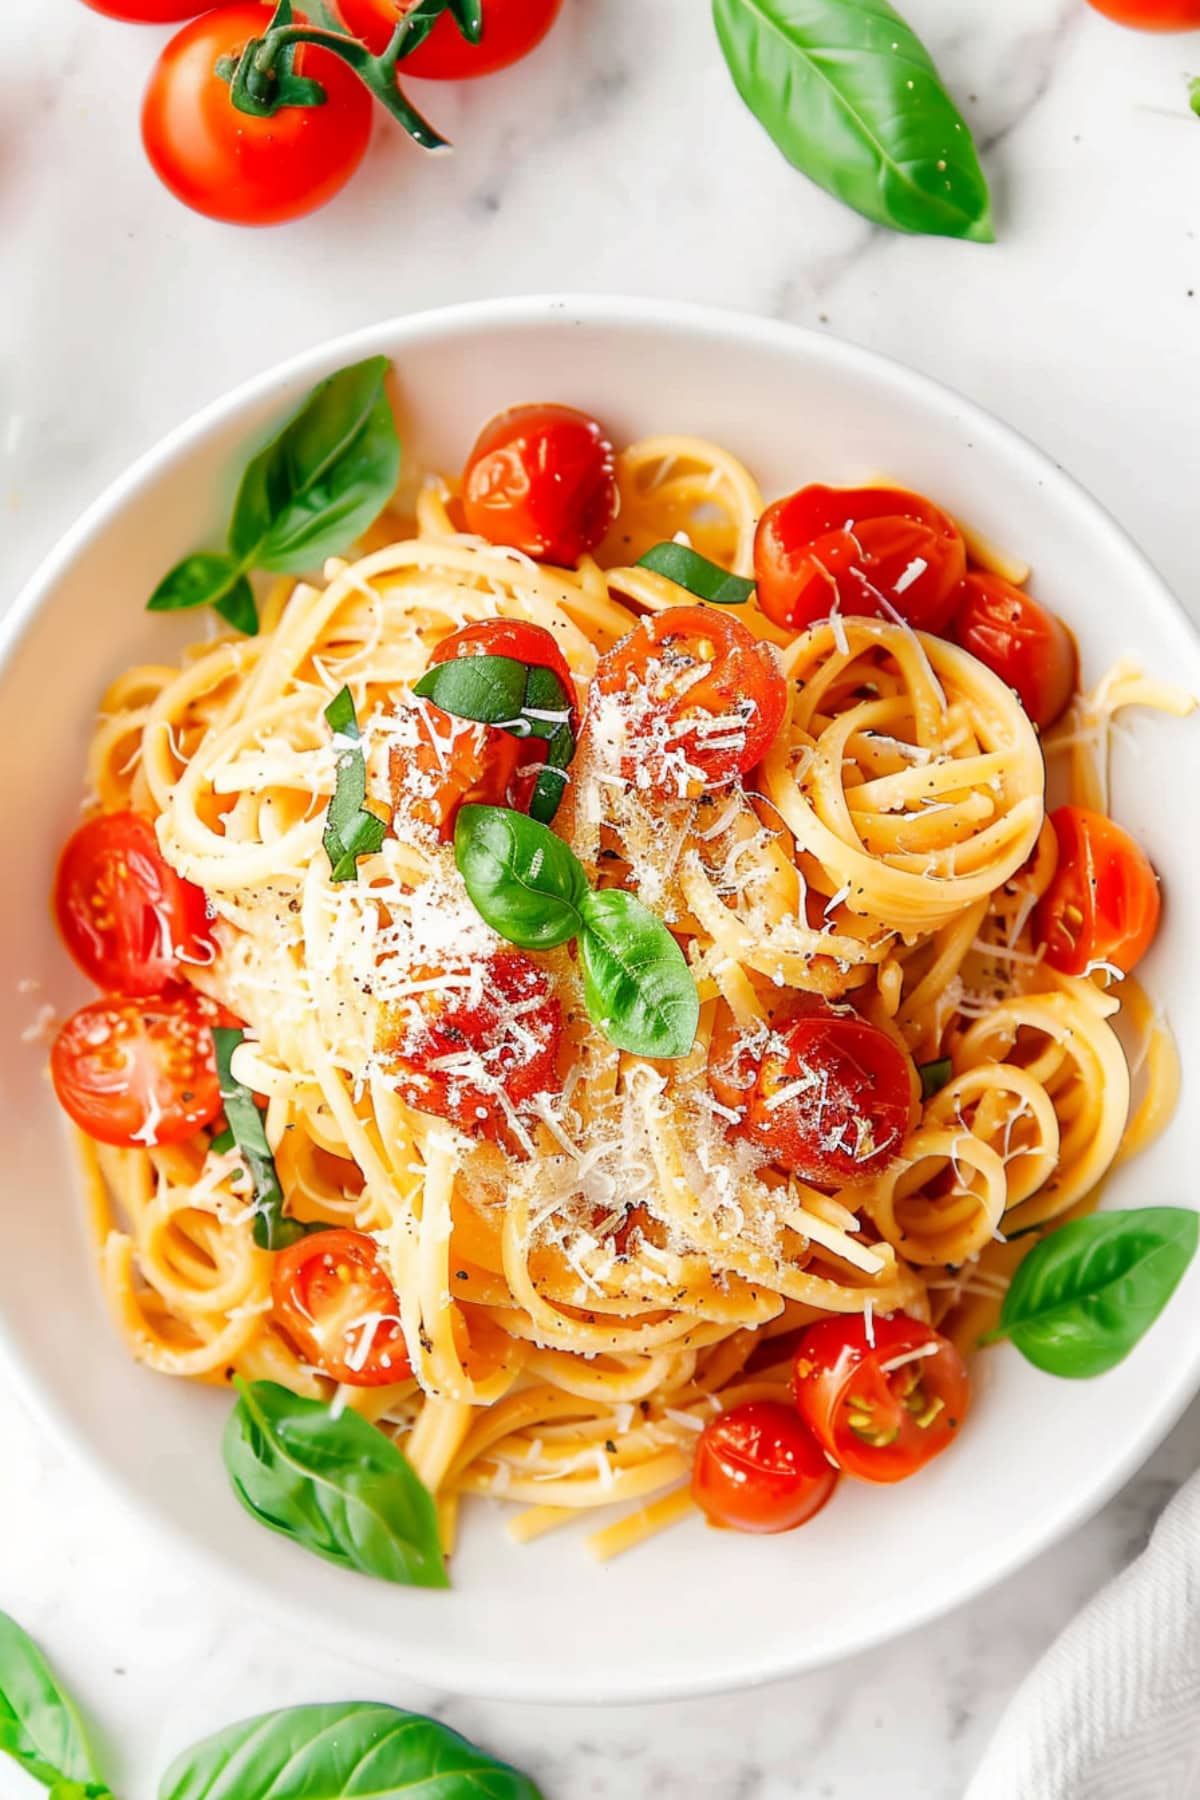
point(694, 1611)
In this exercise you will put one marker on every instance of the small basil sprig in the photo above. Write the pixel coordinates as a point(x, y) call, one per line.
point(272, 1230)
point(851, 97)
point(1087, 1293)
point(688, 569)
point(531, 888)
point(309, 494)
point(39, 1726)
point(934, 1076)
point(335, 1486)
point(325, 1752)
point(524, 698)
point(351, 829)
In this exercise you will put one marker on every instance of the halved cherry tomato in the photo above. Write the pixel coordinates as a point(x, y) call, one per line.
point(233, 165)
point(333, 1297)
point(1152, 15)
point(881, 1409)
point(126, 917)
point(149, 12)
point(542, 479)
point(476, 1046)
point(139, 1072)
point(1103, 903)
point(511, 29)
point(828, 1096)
point(759, 1468)
point(859, 551)
point(700, 700)
point(1026, 646)
point(455, 763)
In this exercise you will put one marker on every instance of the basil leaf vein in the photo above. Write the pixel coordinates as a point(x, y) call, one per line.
point(351, 828)
point(39, 1725)
point(688, 569)
point(272, 1231)
point(336, 1486)
point(637, 982)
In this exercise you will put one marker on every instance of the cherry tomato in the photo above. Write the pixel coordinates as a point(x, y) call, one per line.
point(759, 1468)
point(1026, 646)
point(232, 165)
point(126, 917)
point(139, 1072)
point(541, 479)
point(475, 1047)
point(828, 1097)
point(1103, 903)
point(456, 763)
point(511, 29)
point(149, 12)
point(1152, 15)
point(700, 700)
point(333, 1297)
point(860, 550)
point(882, 1410)
point(529, 644)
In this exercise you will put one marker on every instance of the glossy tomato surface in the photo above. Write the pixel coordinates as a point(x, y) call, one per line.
point(882, 1400)
point(233, 165)
point(1103, 903)
point(1030, 649)
point(1152, 15)
point(542, 479)
point(333, 1297)
point(149, 12)
point(139, 1072)
point(511, 29)
point(759, 1469)
point(858, 551)
point(127, 918)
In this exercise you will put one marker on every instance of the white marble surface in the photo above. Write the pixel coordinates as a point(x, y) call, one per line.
point(120, 313)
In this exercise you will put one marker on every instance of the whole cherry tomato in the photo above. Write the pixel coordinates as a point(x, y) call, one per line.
point(139, 1072)
point(881, 1403)
point(1152, 15)
point(1103, 903)
point(236, 166)
point(149, 12)
point(1026, 646)
point(758, 1468)
point(511, 29)
point(542, 479)
point(127, 918)
point(333, 1297)
point(859, 551)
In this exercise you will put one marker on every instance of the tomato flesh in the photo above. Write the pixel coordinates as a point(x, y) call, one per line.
point(126, 917)
point(1152, 15)
point(1027, 647)
point(858, 551)
point(542, 479)
point(475, 1047)
point(759, 1469)
point(232, 165)
point(333, 1297)
point(1103, 903)
point(700, 700)
point(511, 29)
point(139, 1072)
point(882, 1404)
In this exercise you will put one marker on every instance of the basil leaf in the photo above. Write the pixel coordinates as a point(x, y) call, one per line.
point(525, 882)
point(934, 1076)
point(636, 980)
point(1089, 1291)
point(851, 97)
point(272, 1231)
point(688, 569)
point(551, 782)
point(206, 579)
point(39, 1726)
point(351, 829)
point(335, 1486)
point(326, 477)
point(355, 1748)
point(488, 689)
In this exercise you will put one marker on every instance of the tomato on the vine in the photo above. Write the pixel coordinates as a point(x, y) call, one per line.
point(541, 479)
point(126, 917)
point(1152, 15)
point(139, 1072)
point(511, 29)
point(882, 1400)
point(1103, 902)
point(237, 166)
point(149, 12)
point(758, 1468)
point(335, 1300)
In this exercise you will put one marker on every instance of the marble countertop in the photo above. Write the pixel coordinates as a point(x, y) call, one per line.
point(120, 313)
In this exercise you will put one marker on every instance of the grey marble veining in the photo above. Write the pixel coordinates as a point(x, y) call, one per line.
point(619, 161)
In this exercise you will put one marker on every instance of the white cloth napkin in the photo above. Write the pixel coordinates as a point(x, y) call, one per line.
point(1112, 1711)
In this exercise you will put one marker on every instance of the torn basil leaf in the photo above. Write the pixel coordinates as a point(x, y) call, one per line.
point(351, 829)
point(688, 569)
point(272, 1231)
point(934, 1076)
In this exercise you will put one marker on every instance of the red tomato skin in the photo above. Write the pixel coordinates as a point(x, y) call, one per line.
point(148, 12)
point(334, 1271)
point(542, 479)
point(1151, 15)
point(1030, 649)
point(837, 1368)
point(1110, 881)
point(663, 651)
point(824, 547)
point(532, 645)
point(231, 165)
point(511, 29)
point(102, 1049)
point(126, 917)
point(759, 1469)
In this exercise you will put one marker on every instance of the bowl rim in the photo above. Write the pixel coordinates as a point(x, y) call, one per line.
point(459, 1673)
